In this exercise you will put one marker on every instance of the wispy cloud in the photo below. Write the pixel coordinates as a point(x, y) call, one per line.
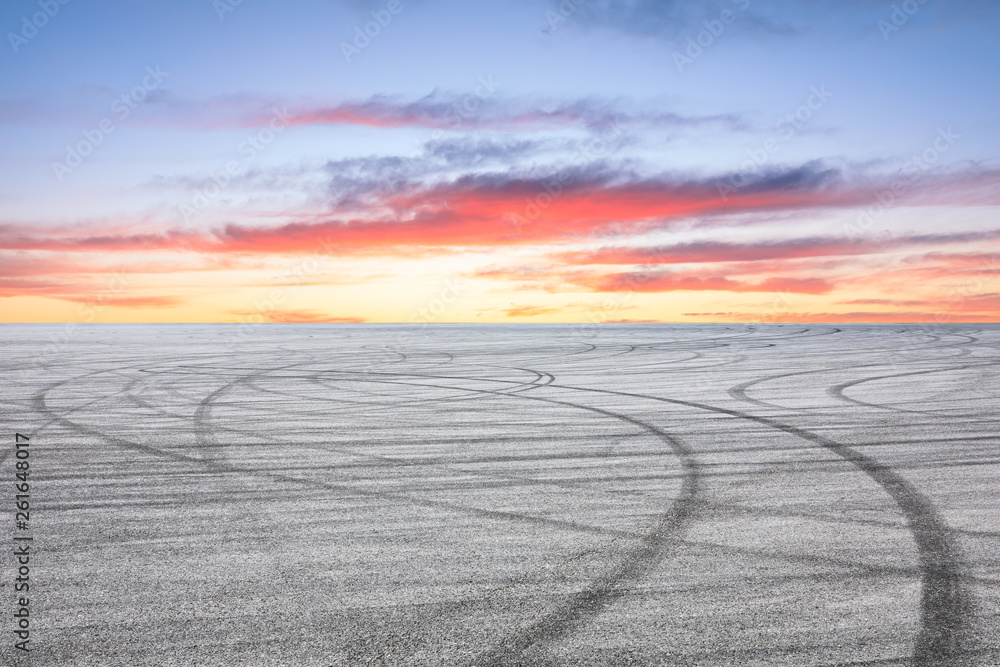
point(671, 20)
point(528, 311)
point(715, 251)
point(440, 110)
point(300, 316)
point(675, 282)
point(450, 111)
point(494, 209)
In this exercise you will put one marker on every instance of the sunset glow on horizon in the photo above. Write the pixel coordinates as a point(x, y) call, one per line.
point(536, 161)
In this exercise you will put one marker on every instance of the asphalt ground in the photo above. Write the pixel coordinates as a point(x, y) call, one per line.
point(504, 495)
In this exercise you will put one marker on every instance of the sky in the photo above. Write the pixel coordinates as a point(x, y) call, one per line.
point(512, 161)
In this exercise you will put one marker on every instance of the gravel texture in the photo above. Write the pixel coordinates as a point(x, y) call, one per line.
point(506, 495)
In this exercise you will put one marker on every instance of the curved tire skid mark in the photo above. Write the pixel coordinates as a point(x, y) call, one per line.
point(739, 392)
point(516, 388)
point(543, 379)
point(944, 605)
point(353, 407)
point(592, 347)
point(368, 407)
point(39, 397)
point(216, 466)
point(837, 391)
point(632, 566)
point(657, 364)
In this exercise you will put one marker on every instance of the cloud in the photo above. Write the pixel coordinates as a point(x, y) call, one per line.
point(497, 209)
point(671, 20)
point(485, 109)
point(300, 317)
point(136, 301)
point(945, 308)
point(528, 311)
point(626, 321)
point(556, 279)
point(987, 262)
point(675, 20)
point(468, 152)
point(873, 317)
point(485, 106)
point(10, 287)
point(76, 265)
point(674, 282)
point(885, 302)
point(814, 246)
point(88, 292)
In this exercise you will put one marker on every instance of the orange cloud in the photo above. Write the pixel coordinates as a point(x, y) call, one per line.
point(673, 282)
point(482, 110)
point(903, 317)
point(490, 210)
point(626, 321)
point(301, 317)
point(528, 311)
point(473, 211)
point(135, 301)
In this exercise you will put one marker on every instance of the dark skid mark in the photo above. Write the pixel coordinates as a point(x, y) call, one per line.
point(739, 392)
point(944, 607)
point(633, 565)
point(837, 391)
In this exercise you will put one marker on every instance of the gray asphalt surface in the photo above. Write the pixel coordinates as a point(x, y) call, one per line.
point(507, 495)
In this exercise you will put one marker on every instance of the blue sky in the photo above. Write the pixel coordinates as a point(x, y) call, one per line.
point(417, 147)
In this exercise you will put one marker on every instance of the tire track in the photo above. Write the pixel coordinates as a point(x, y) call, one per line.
point(631, 566)
point(837, 391)
point(945, 609)
point(223, 467)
